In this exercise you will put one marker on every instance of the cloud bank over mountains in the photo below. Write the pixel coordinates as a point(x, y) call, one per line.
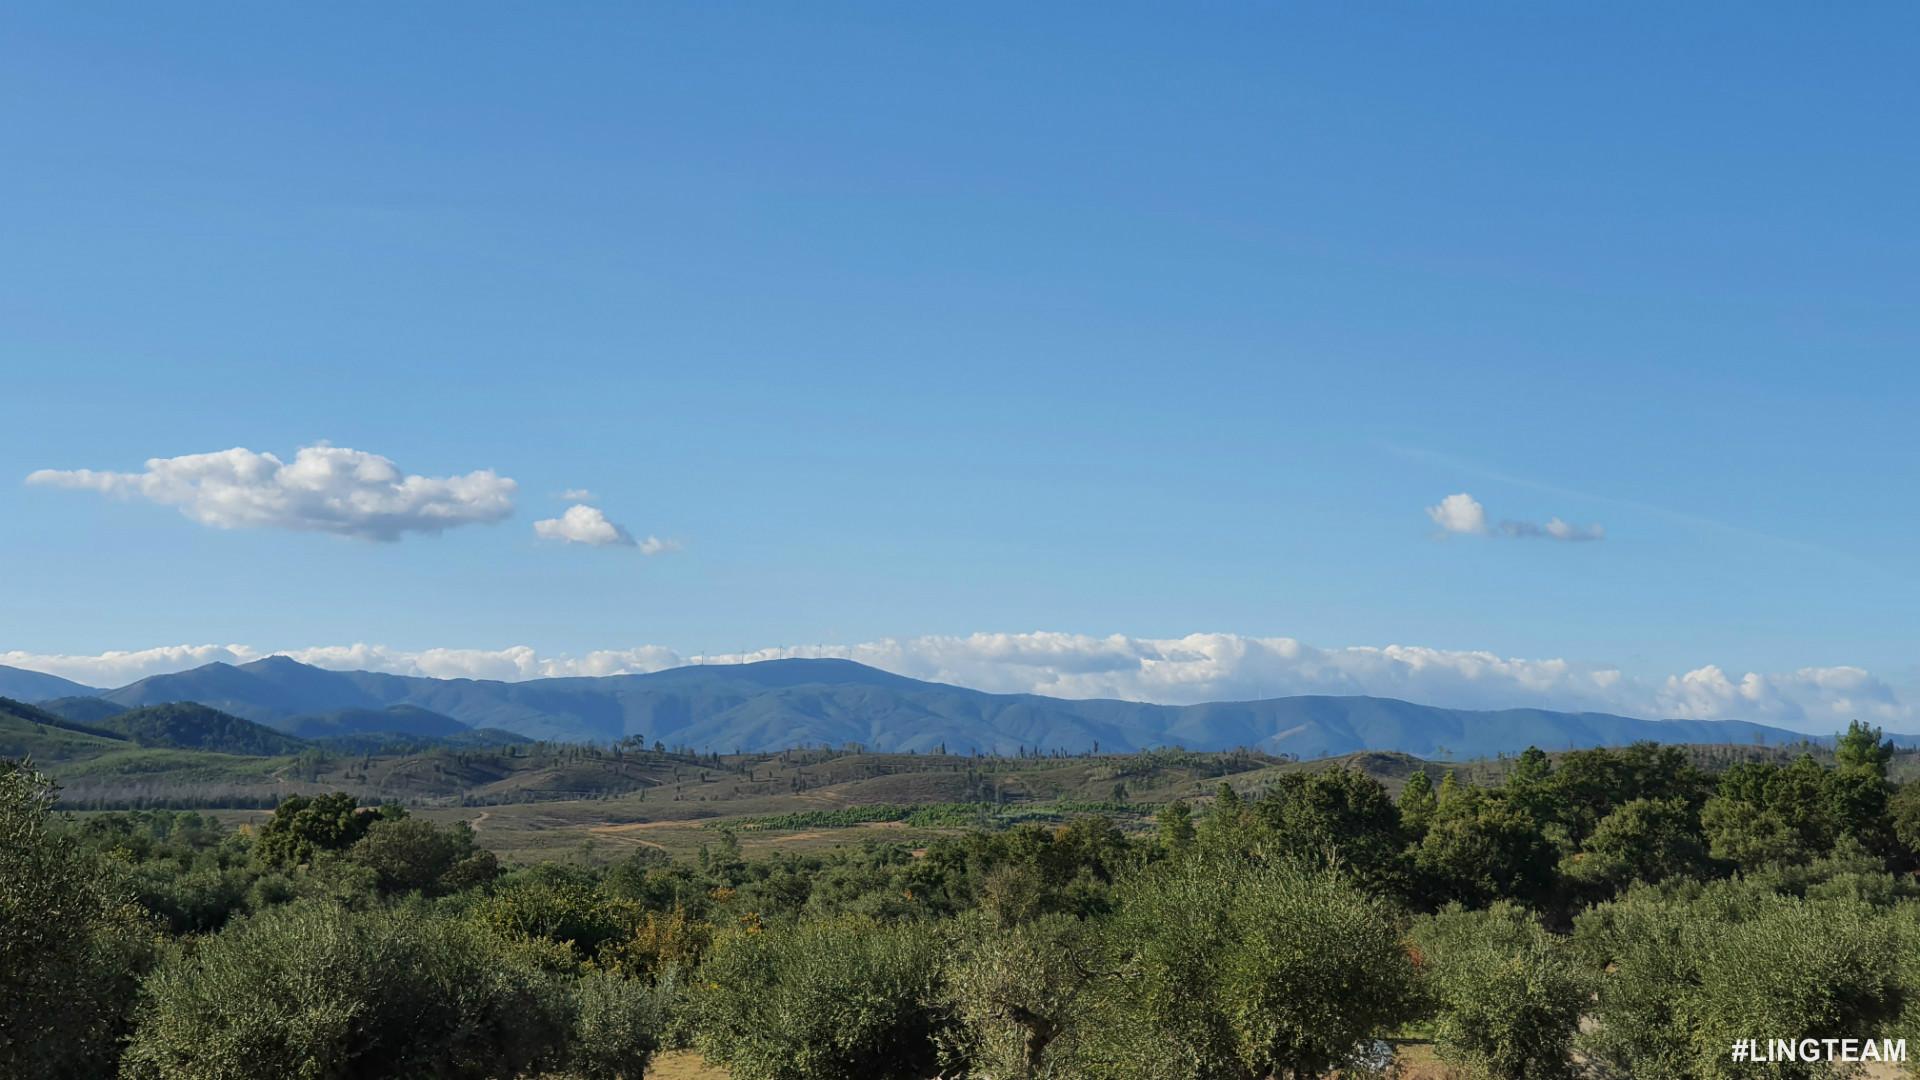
point(325, 488)
point(1195, 668)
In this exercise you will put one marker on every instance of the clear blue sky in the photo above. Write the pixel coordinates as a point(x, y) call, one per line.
point(910, 319)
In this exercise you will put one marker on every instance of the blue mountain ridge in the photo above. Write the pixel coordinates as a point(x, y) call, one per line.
point(782, 703)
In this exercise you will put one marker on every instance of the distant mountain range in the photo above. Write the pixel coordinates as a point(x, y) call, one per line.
point(23, 685)
point(785, 703)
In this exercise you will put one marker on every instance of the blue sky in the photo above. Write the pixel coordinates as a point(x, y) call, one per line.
point(916, 321)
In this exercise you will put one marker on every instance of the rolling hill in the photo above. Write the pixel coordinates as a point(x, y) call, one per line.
point(392, 720)
point(187, 725)
point(28, 731)
point(85, 710)
point(783, 703)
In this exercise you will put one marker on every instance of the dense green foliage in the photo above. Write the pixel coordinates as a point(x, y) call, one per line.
point(1506, 995)
point(1622, 912)
point(399, 993)
point(1245, 970)
point(847, 997)
point(189, 726)
point(72, 946)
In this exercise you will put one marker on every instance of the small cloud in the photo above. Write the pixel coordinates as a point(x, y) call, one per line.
point(576, 495)
point(1463, 514)
point(324, 488)
point(584, 525)
point(1460, 513)
point(1554, 529)
point(653, 545)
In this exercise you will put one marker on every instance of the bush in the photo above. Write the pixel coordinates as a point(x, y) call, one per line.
point(1020, 998)
point(411, 855)
point(1343, 816)
point(1234, 969)
point(619, 1024)
point(303, 826)
point(72, 944)
point(1687, 975)
point(556, 909)
point(1507, 994)
point(312, 990)
point(1646, 840)
point(1483, 847)
point(839, 999)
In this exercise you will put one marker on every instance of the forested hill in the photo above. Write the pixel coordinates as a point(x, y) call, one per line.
point(190, 726)
point(783, 703)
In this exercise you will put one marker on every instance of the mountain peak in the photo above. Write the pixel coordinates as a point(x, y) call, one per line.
point(278, 662)
point(789, 671)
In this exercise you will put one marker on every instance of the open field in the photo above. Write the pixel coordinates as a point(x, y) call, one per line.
point(591, 804)
point(751, 795)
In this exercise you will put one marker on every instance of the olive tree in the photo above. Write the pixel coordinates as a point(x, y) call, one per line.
point(1685, 976)
point(314, 990)
point(1245, 970)
point(1507, 995)
point(1020, 997)
point(832, 999)
point(619, 1024)
point(72, 944)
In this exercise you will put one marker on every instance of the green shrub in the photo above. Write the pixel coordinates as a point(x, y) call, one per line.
point(1507, 995)
point(1483, 846)
point(411, 855)
point(619, 1024)
point(303, 826)
point(1020, 997)
point(838, 999)
point(1646, 840)
point(1239, 970)
point(1687, 975)
point(315, 991)
point(1339, 815)
point(572, 913)
point(72, 944)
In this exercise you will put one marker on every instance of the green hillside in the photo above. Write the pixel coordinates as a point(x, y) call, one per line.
point(85, 710)
point(26, 731)
point(190, 726)
point(392, 720)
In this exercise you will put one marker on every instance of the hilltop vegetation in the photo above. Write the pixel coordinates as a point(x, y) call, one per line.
point(190, 726)
point(27, 731)
point(1596, 913)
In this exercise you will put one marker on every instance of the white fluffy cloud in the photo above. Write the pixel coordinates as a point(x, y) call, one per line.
point(584, 525)
point(324, 488)
point(576, 495)
point(1460, 513)
point(1198, 667)
point(1463, 514)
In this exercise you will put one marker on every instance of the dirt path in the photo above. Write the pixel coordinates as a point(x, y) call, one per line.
point(683, 1065)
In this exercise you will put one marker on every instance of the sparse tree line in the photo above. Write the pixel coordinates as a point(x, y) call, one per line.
point(1608, 913)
